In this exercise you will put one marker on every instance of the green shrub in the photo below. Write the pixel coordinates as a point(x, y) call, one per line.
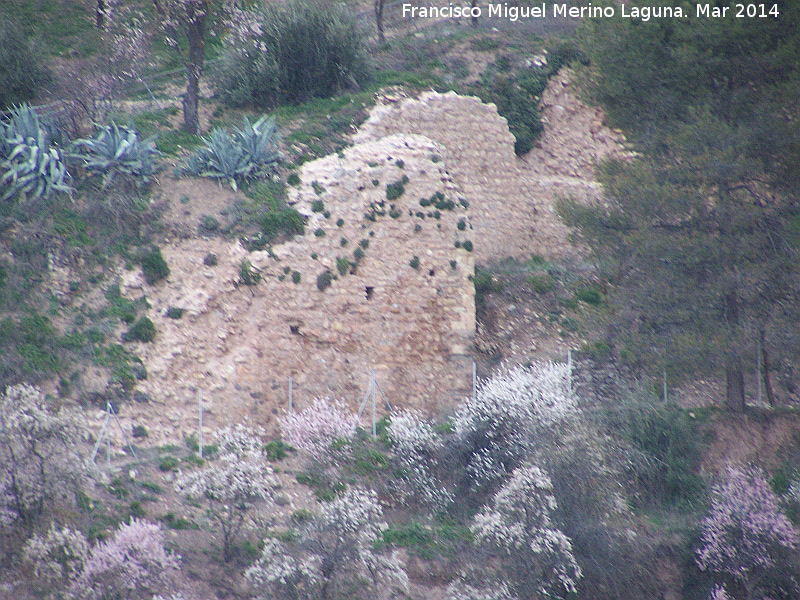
point(168, 463)
point(319, 232)
point(317, 206)
point(278, 450)
point(117, 150)
point(541, 284)
point(139, 431)
point(589, 295)
point(154, 267)
point(248, 274)
point(308, 50)
point(210, 260)
point(287, 222)
point(396, 189)
point(22, 65)
point(293, 179)
point(173, 312)
point(324, 280)
point(142, 331)
point(343, 265)
point(296, 276)
point(414, 263)
point(467, 245)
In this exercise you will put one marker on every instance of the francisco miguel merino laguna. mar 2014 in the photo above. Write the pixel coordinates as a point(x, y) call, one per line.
point(540, 11)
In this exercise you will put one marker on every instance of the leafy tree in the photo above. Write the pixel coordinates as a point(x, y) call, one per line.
point(233, 483)
point(58, 557)
point(39, 463)
point(697, 234)
point(746, 536)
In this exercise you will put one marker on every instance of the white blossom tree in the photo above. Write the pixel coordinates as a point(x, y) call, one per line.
point(333, 557)
point(510, 411)
point(538, 557)
point(133, 564)
point(57, 558)
point(316, 427)
point(233, 483)
point(418, 449)
point(39, 460)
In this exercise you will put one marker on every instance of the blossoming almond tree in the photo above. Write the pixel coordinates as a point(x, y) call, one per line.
point(133, 564)
point(333, 557)
point(494, 430)
point(318, 426)
point(519, 523)
point(233, 483)
point(746, 535)
point(39, 461)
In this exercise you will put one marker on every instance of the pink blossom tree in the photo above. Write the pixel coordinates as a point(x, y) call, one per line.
point(318, 426)
point(133, 564)
point(745, 535)
point(233, 483)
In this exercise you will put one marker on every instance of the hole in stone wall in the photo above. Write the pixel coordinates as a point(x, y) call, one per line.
point(431, 272)
point(369, 291)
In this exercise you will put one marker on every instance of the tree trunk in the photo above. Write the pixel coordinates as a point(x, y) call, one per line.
point(379, 19)
point(765, 370)
point(734, 374)
point(100, 13)
point(196, 13)
point(734, 384)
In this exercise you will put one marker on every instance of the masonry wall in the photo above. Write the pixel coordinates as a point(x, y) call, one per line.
point(410, 324)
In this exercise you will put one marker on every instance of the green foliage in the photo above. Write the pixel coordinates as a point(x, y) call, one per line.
point(168, 463)
point(210, 260)
point(178, 523)
point(287, 222)
point(248, 274)
point(467, 245)
point(139, 431)
point(317, 206)
point(117, 150)
point(396, 189)
point(247, 153)
point(154, 267)
point(667, 443)
point(296, 276)
point(293, 179)
point(173, 312)
point(142, 331)
point(589, 295)
point(30, 164)
point(343, 265)
point(308, 50)
point(324, 280)
point(278, 450)
point(22, 66)
point(414, 263)
point(541, 283)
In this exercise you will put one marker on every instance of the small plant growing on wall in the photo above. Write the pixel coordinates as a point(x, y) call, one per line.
point(324, 280)
point(414, 262)
point(396, 189)
point(248, 274)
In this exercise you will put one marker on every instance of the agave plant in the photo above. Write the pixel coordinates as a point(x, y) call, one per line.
point(30, 164)
point(250, 151)
point(259, 141)
point(115, 150)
